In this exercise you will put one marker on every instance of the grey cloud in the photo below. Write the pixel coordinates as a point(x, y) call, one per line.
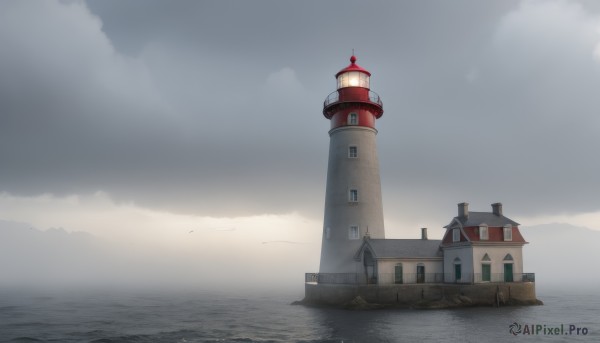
point(215, 108)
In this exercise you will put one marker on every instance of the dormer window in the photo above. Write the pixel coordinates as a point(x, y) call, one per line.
point(455, 235)
point(507, 232)
point(483, 232)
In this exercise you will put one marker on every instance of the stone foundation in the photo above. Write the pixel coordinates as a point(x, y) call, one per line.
point(415, 294)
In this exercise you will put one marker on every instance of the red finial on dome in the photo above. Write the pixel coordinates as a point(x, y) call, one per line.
point(353, 67)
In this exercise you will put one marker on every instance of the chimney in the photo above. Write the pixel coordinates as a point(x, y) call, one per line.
point(463, 210)
point(497, 208)
point(424, 233)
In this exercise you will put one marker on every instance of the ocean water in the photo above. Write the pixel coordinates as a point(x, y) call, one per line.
point(237, 317)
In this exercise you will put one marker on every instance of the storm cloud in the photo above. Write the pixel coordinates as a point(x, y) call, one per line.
point(214, 108)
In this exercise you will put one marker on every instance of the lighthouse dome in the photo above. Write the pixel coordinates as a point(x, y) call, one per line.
point(353, 76)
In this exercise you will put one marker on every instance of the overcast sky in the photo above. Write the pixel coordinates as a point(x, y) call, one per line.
point(214, 109)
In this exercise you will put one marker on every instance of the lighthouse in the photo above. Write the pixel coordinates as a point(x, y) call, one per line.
point(353, 205)
point(478, 262)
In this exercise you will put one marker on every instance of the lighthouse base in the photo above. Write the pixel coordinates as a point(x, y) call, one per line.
point(422, 295)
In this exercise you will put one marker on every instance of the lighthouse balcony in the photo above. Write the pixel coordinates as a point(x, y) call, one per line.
point(334, 98)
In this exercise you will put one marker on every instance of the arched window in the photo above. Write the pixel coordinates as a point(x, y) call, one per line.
point(457, 269)
point(508, 268)
point(486, 268)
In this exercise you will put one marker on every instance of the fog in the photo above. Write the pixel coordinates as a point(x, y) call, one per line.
point(247, 255)
point(207, 259)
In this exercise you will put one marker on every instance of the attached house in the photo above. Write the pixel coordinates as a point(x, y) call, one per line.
point(483, 247)
point(477, 247)
point(388, 261)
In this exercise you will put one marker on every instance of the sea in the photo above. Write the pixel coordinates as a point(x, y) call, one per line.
point(218, 316)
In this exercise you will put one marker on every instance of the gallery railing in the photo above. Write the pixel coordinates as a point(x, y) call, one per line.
point(335, 97)
point(415, 278)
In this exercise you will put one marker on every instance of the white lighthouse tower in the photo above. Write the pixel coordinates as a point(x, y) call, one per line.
point(353, 206)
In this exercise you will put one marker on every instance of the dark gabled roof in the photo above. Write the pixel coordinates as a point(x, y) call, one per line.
point(403, 248)
point(489, 218)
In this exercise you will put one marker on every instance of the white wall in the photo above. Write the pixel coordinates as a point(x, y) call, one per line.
point(497, 254)
point(465, 254)
point(386, 269)
point(471, 260)
point(343, 174)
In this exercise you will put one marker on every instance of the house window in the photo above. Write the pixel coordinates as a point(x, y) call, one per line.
point(508, 233)
point(457, 269)
point(486, 272)
point(508, 272)
point(398, 273)
point(483, 232)
point(327, 232)
point(420, 273)
point(353, 232)
point(486, 268)
point(352, 152)
point(353, 119)
point(353, 195)
point(455, 235)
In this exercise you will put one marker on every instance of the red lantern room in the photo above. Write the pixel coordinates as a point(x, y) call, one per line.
point(353, 103)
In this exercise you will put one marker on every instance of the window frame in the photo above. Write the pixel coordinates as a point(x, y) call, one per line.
point(507, 233)
point(353, 118)
point(354, 232)
point(353, 151)
point(486, 276)
point(484, 232)
point(456, 235)
point(353, 195)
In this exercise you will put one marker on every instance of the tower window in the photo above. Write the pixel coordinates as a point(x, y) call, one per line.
point(353, 119)
point(353, 232)
point(508, 232)
point(352, 152)
point(455, 235)
point(353, 195)
point(483, 232)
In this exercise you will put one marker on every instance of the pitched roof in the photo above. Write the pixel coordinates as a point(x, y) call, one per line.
point(477, 218)
point(403, 248)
